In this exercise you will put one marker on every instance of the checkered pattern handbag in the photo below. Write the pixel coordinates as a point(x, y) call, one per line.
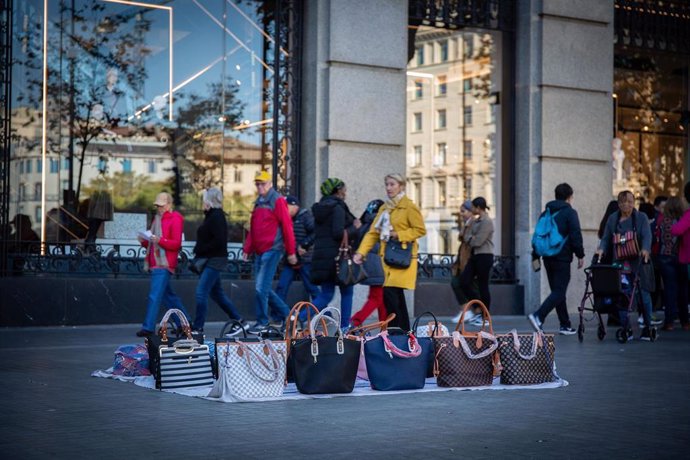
point(466, 359)
point(526, 359)
point(249, 370)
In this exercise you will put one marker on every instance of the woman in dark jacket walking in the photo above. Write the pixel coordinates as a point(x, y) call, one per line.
point(374, 269)
point(332, 218)
point(212, 245)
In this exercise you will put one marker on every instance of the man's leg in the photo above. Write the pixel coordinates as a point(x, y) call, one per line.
point(312, 289)
point(265, 270)
point(287, 274)
point(172, 300)
point(553, 273)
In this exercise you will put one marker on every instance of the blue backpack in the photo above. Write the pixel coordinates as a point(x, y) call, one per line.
point(547, 241)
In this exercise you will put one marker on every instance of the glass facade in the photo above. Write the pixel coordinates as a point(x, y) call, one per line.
point(140, 97)
point(455, 113)
point(650, 146)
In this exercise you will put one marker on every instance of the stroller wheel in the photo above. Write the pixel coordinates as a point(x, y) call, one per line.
point(621, 335)
point(601, 332)
point(581, 332)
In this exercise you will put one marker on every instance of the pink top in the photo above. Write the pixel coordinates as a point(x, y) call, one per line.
point(682, 229)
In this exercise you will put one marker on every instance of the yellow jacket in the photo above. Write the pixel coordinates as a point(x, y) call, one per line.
point(408, 223)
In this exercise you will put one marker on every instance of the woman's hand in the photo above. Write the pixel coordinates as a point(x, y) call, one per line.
point(357, 258)
point(357, 223)
point(394, 234)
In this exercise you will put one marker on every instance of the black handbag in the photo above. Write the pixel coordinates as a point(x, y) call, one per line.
point(398, 254)
point(348, 272)
point(325, 364)
point(165, 338)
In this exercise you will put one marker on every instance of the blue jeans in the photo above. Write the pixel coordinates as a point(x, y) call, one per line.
point(209, 284)
point(327, 293)
point(265, 266)
point(161, 293)
point(288, 275)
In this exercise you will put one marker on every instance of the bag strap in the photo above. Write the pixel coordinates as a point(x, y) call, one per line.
point(362, 330)
point(485, 315)
point(293, 319)
point(230, 324)
point(536, 342)
point(459, 340)
point(334, 319)
point(413, 345)
point(416, 323)
point(186, 329)
point(249, 355)
point(185, 346)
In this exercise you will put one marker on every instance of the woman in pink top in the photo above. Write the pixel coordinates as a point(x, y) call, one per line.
point(682, 229)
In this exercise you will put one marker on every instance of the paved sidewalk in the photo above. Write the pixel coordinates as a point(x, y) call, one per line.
point(623, 401)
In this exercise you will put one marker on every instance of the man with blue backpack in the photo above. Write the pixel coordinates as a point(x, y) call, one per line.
point(557, 236)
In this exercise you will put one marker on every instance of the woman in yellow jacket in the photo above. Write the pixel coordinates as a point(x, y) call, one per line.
point(398, 219)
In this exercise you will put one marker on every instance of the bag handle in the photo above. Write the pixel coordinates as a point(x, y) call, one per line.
point(229, 324)
point(185, 346)
point(250, 355)
point(416, 323)
point(293, 319)
point(391, 349)
point(536, 342)
point(186, 329)
point(486, 320)
point(460, 341)
point(344, 251)
point(334, 319)
point(362, 330)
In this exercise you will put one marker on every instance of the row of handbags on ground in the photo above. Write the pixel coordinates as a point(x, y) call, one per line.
point(319, 363)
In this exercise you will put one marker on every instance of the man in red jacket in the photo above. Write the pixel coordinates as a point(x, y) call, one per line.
point(270, 233)
point(162, 248)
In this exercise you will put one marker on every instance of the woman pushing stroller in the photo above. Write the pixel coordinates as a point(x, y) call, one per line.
point(628, 239)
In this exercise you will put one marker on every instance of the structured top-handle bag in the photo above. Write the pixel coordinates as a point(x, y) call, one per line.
point(395, 362)
point(398, 254)
point(325, 364)
point(163, 339)
point(361, 332)
point(348, 272)
point(467, 358)
point(526, 359)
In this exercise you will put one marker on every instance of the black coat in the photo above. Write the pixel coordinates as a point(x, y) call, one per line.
point(331, 218)
point(212, 235)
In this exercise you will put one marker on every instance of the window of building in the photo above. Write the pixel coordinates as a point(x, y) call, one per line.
point(467, 115)
point(102, 164)
point(417, 122)
point(54, 166)
point(441, 119)
point(39, 165)
point(38, 215)
point(153, 166)
point(444, 241)
point(442, 85)
point(418, 89)
point(65, 164)
point(420, 55)
point(28, 166)
point(442, 192)
point(443, 50)
point(21, 192)
point(21, 167)
point(467, 149)
point(467, 84)
point(467, 187)
point(417, 156)
point(468, 46)
point(417, 192)
point(237, 176)
point(440, 157)
point(38, 188)
point(126, 165)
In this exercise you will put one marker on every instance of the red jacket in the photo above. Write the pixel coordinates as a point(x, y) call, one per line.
point(171, 239)
point(682, 230)
point(270, 226)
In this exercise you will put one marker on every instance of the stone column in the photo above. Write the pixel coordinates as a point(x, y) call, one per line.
point(564, 110)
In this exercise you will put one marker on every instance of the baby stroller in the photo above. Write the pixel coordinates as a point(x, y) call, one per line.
point(609, 290)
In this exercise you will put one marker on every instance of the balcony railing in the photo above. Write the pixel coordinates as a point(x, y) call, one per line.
point(26, 258)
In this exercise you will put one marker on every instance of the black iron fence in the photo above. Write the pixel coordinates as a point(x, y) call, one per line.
point(29, 258)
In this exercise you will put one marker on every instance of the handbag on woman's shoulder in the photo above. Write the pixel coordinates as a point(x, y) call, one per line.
point(398, 254)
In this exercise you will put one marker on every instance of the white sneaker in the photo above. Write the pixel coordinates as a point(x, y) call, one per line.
point(534, 321)
point(469, 316)
point(478, 321)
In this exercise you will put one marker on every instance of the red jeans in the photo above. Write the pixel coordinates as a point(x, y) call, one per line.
point(374, 302)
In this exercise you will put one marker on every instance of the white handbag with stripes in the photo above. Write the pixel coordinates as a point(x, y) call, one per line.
point(186, 363)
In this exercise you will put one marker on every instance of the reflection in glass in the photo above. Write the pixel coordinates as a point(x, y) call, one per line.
point(650, 147)
point(137, 105)
point(466, 78)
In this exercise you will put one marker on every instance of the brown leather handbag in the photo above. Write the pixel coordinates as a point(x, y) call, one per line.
point(467, 359)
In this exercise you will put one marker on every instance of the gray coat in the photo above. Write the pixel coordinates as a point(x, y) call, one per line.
point(480, 236)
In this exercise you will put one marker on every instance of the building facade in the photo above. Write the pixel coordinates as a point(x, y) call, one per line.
point(501, 99)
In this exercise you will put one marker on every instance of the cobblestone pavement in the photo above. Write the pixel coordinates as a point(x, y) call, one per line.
point(623, 401)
